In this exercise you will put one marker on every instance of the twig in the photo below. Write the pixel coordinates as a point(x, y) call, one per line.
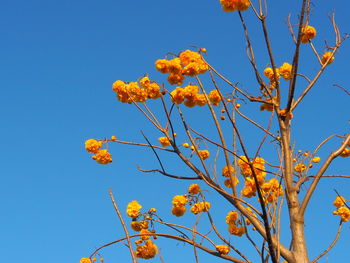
point(134, 260)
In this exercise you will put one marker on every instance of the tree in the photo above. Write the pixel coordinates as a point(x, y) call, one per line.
point(261, 182)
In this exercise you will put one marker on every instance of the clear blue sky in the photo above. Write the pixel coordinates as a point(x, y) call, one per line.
point(58, 60)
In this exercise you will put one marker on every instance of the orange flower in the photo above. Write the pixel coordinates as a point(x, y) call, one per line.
point(286, 71)
point(343, 212)
point(162, 65)
point(345, 153)
point(147, 251)
point(176, 79)
point(233, 5)
point(339, 201)
point(222, 249)
point(299, 167)
point(164, 141)
point(118, 86)
point(194, 189)
point(227, 171)
point(179, 201)
point(178, 211)
point(307, 33)
point(92, 145)
point(200, 207)
point(133, 209)
point(327, 56)
point(316, 159)
point(85, 260)
point(214, 97)
point(203, 154)
point(102, 157)
point(177, 95)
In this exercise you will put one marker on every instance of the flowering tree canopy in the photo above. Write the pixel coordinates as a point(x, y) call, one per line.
point(258, 184)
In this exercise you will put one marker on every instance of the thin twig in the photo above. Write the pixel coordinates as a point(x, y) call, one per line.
point(134, 260)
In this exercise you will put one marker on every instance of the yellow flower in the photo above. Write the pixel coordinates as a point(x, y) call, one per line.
point(176, 79)
point(177, 95)
point(200, 207)
point(307, 33)
point(191, 102)
point(200, 100)
point(258, 165)
point(178, 211)
point(102, 157)
point(343, 212)
point(147, 251)
point(227, 182)
point(144, 82)
point(138, 226)
point(231, 217)
point(316, 159)
point(133, 209)
point(192, 69)
point(145, 234)
point(189, 56)
point(193, 189)
point(92, 145)
point(85, 260)
point(214, 97)
point(286, 71)
point(272, 190)
point(327, 56)
point(186, 145)
point(153, 91)
point(268, 72)
point(237, 231)
point(164, 141)
point(174, 66)
point(299, 167)
point(203, 154)
point(222, 249)
point(179, 200)
point(118, 86)
point(162, 65)
point(233, 5)
point(345, 153)
point(339, 201)
point(227, 171)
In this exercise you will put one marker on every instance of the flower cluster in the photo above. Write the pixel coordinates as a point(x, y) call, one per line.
point(85, 260)
point(222, 249)
point(102, 156)
point(179, 202)
point(92, 146)
point(327, 56)
point(268, 106)
point(233, 5)
point(188, 63)
point(147, 250)
point(343, 211)
point(200, 207)
point(300, 167)
point(203, 154)
point(136, 92)
point(164, 141)
point(133, 209)
point(285, 71)
point(272, 190)
point(228, 171)
point(234, 225)
point(307, 33)
point(249, 182)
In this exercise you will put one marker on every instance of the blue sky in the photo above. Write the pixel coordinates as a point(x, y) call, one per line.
point(58, 61)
